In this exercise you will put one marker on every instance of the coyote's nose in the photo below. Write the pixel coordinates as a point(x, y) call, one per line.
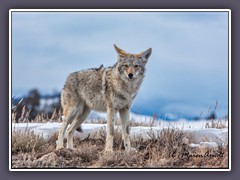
point(130, 75)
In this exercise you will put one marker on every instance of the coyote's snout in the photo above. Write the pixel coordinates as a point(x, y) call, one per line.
point(110, 89)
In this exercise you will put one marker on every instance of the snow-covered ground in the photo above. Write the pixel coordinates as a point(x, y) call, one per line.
point(200, 133)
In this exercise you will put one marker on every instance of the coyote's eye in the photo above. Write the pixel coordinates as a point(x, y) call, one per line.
point(136, 66)
point(125, 66)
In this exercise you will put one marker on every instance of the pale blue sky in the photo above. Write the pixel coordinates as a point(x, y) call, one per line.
point(187, 71)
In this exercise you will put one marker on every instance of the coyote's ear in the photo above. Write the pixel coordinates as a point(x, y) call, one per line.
point(120, 51)
point(145, 55)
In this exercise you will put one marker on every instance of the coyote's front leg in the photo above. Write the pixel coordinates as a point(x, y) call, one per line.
point(111, 113)
point(124, 115)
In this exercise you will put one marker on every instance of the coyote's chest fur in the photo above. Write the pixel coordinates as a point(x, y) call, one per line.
point(101, 88)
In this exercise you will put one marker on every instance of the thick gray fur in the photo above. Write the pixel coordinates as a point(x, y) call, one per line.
point(110, 90)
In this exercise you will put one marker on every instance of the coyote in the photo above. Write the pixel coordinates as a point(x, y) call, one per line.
point(110, 90)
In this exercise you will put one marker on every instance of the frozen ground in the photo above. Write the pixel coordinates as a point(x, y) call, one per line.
point(198, 132)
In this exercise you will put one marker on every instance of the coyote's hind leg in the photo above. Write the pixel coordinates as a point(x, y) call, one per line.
point(69, 116)
point(80, 117)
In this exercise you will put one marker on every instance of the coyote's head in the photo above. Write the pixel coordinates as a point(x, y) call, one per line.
point(131, 66)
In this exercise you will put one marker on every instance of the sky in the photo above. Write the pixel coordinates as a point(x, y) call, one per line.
point(187, 71)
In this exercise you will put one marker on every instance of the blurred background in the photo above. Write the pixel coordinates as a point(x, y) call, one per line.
point(187, 73)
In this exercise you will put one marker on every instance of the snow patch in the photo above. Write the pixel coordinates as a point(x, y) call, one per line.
point(200, 136)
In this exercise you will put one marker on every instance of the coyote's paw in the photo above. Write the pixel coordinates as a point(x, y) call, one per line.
point(131, 150)
point(59, 147)
point(108, 151)
point(73, 150)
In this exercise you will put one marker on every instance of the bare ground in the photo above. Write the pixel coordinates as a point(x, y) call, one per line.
point(169, 149)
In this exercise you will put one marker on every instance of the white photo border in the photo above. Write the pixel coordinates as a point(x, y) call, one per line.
point(129, 11)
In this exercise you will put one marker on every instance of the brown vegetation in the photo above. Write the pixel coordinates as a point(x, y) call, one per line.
point(168, 149)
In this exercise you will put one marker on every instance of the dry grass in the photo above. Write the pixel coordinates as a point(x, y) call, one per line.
point(40, 117)
point(166, 149)
point(26, 142)
point(57, 117)
point(219, 124)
